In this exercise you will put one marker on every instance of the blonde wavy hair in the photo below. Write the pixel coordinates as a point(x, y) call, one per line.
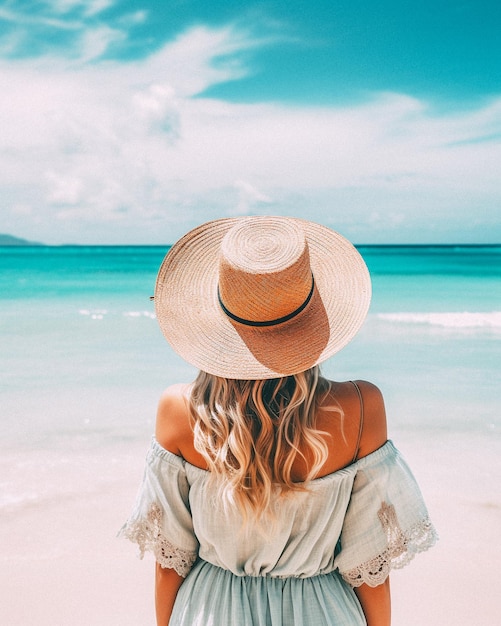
point(250, 432)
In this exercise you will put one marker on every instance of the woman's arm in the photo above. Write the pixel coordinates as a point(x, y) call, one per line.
point(376, 603)
point(172, 427)
point(167, 583)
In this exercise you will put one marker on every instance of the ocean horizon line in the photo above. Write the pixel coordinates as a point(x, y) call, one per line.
point(169, 245)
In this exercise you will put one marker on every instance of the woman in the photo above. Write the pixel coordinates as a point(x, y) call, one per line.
point(271, 495)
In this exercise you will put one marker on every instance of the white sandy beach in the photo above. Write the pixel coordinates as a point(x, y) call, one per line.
point(62, 564)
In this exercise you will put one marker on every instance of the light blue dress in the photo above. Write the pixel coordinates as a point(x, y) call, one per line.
point(350, 527)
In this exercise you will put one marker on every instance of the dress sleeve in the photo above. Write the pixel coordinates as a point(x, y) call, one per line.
point(386, 523)
point(161, 519)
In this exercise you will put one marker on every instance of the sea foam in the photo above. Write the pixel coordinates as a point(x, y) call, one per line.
point(465, 319)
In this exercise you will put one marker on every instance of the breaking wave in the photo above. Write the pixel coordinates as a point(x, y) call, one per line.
point(464, 319)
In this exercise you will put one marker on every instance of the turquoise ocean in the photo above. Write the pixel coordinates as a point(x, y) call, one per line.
point(82, 361)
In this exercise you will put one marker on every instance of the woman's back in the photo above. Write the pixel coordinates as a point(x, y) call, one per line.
point(351, 416)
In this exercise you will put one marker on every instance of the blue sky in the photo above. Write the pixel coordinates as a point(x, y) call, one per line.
point(133, 121)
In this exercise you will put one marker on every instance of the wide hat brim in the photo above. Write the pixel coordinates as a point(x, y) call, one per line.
point(193, 322)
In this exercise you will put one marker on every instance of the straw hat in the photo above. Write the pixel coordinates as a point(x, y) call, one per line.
point(261, 297)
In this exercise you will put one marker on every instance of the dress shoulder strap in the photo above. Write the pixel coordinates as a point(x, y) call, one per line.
point(361, 426)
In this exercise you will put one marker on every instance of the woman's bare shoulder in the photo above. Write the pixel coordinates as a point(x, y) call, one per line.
point(345, 396)
point(173, 418)
point(374, 432)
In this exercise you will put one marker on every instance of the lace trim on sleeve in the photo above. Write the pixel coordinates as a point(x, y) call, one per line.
point(402, 548)
point(147, 533)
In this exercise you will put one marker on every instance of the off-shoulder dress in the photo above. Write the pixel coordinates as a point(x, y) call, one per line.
point(348, 528)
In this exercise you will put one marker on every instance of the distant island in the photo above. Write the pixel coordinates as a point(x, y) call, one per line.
point(10, 240)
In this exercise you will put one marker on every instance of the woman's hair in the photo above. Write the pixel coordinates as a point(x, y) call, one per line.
point(250, 432)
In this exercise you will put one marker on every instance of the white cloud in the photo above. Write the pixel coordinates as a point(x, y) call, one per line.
point(124, 152)
point(188, 63)
point(249, 199)
point(157, 109)
point(131, 19)
point(94, 42)
point(40, 10)
point(94, 7)
point(63, 190)
point(36, 29)
point(33, 18)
